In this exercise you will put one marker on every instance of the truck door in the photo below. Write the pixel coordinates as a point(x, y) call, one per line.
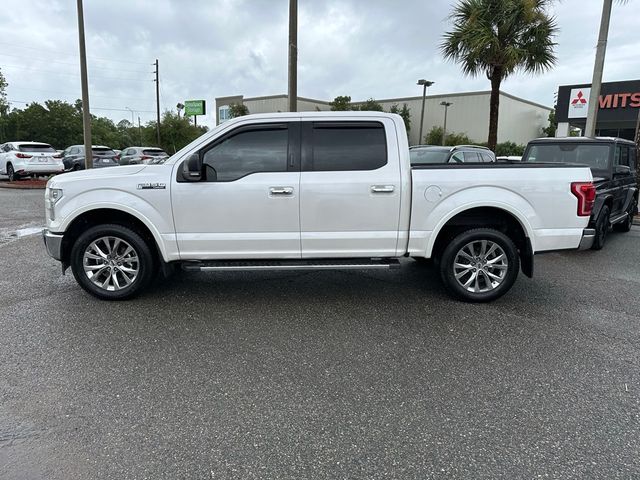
point(349, 190)
point(246, 206)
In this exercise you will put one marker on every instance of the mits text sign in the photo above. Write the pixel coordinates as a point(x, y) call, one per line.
point(618, 102)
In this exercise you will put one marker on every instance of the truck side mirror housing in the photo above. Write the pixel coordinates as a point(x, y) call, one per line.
point(621, 170)
point(192, 168)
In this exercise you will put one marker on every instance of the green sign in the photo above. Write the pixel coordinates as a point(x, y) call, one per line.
point(194, 107)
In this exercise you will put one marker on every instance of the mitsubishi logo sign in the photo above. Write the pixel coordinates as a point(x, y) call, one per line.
point(578, 102)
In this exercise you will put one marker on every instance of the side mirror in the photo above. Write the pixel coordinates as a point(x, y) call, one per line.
point(621, 170)
point(192, 168)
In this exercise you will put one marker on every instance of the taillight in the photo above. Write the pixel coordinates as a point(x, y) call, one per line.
point(57, 156)
point(145, 157)
point(23, 155)
point(586, 195)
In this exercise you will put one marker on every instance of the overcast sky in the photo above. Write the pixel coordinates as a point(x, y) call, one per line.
point(210, 48)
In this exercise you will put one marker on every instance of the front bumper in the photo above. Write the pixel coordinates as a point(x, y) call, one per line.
point(588, 237)
point(53, 244)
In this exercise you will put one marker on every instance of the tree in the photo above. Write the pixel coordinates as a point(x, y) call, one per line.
point(404, 112)
point(175, 132)
point(434, 137)
point(341, 103)
point(4, 105)
point(499, 38)
point(369, 106)
point(550, 130)
point(238, 110)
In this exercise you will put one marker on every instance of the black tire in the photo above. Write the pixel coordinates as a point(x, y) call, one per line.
point(145, 263)
point(602, 228)
point(76, 167)
point(628, 223)
point(11, 173)
point(510, 265)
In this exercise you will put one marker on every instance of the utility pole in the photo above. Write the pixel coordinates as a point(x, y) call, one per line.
point(157, 80)
point(596, 83)
point(139, 131)
point(293, 55)
point(86, 114)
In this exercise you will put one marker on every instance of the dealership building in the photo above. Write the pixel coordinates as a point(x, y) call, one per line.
point(519, 120)
point(618, 109)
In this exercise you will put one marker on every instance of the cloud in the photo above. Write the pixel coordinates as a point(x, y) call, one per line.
point(207, 48)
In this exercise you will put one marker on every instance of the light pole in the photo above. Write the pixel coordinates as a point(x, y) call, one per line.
point(425, 84)
point(293, 55)
point(446, 106)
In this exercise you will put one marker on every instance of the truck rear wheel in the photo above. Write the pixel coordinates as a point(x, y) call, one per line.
point(602, 228)
point(479, 265)
point(112, 262)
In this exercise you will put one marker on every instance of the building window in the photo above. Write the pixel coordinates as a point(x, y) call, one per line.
point(223, 113)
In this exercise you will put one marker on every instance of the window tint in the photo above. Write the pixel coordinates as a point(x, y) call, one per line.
point(457, 157)
point(336, 147)
point(486, 157)
point(154, 152)
point(594, 155)
point(40, 148)
point(471, 157)
point(428, 155)
point(624, 155)
point(633, 157)
point(246, 152)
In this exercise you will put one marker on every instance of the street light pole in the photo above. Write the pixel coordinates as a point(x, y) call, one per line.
point(425, 84)
point(596, 82)
point(86, 114)
point(446, 106)
point(132, 120)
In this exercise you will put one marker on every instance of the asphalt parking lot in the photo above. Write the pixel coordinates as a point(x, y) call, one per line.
point(318, 375)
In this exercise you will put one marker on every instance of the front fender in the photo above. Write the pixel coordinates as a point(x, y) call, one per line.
point(154, 213)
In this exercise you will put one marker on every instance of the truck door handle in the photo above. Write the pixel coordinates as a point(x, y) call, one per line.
point(281, 190)
point(382, 188)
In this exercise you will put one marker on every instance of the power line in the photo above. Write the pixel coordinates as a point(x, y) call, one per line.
point(91, 108)
point(70, 54)
point(75, 95)
point(68, 64)
point(71, 74)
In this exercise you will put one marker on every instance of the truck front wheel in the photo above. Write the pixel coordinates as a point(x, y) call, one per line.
point(112, 262)
point(479, 265)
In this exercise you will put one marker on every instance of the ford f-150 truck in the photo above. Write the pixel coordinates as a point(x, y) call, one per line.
point(317, 190)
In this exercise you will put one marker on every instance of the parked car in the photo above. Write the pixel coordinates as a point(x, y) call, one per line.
point(21, 159)
point(509, 158)
point(433, 154)
point(142, 155)
point(613, 165)
point(313, 190)
point(73, 157)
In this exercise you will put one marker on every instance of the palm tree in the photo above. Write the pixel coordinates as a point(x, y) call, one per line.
point(499, 38)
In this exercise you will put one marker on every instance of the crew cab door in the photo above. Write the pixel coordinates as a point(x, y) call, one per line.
point(349, 189)
point(246, 205)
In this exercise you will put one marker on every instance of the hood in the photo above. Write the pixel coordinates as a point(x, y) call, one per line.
point(95, 173)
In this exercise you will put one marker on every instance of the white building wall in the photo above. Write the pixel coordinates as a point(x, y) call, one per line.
point(520, 121)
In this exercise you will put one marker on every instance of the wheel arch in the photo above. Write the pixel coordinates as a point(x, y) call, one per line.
point(499, 217)
point(104, 215)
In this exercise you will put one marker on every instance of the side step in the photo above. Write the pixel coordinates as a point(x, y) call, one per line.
point(620, 218)
point(317, 264)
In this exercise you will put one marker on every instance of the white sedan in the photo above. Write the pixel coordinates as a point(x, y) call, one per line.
point(20, 159)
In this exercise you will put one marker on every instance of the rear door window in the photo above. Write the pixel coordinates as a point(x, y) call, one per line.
point(486, 157)
point(345, 146)
point(471, 157)
point(457, 157)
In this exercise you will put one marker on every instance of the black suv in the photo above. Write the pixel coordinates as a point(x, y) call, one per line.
point(433, 154)
point(613, 165)
point(73, 157)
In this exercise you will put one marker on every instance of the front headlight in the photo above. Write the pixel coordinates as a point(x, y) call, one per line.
point(52, 197)
point(55, 194)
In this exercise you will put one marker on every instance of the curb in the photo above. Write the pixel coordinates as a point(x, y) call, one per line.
point(16, 186)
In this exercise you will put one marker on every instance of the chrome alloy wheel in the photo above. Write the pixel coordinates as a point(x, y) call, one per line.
point(480, 266)
point(111, 263)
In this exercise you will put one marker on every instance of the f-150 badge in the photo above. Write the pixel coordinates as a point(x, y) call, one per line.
point(152, 186)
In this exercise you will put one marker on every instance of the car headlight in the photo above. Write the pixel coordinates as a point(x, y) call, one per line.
point(55, 194)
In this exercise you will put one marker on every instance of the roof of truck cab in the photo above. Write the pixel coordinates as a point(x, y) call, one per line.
point(319, 114)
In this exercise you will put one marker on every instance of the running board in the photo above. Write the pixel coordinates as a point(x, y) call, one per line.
point(619, 218)
point(317, 264)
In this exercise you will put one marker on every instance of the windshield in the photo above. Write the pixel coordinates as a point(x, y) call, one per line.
point(428, 156)
point(594, 155)
point(42, 148)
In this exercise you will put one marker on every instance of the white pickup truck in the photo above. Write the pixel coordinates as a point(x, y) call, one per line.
point(318, 190)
